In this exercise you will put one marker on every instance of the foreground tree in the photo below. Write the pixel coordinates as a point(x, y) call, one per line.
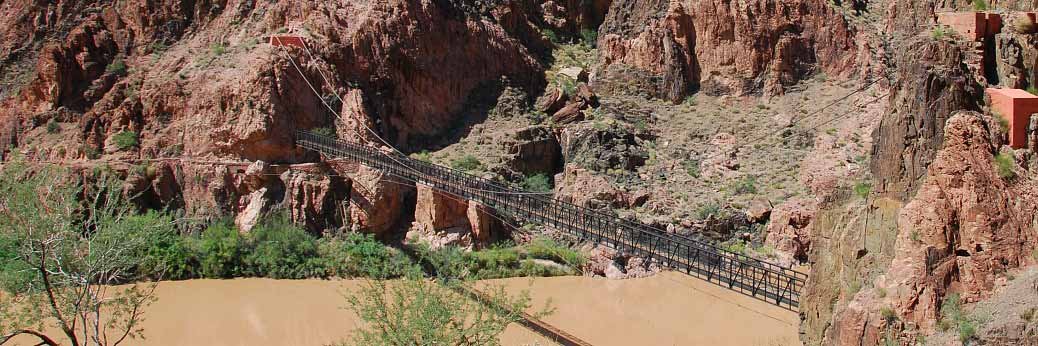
point(419, 311)
point(64, 245)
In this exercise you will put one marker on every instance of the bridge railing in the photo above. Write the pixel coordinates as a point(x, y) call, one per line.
point(764, 280)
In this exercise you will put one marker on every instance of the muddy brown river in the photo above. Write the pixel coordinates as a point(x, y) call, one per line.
point(667, 309)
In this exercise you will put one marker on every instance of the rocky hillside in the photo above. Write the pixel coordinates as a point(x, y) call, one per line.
point(847, 136)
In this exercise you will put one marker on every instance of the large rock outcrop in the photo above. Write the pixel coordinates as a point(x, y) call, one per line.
point(965, 226)
point(671, 48)
point(932, 83)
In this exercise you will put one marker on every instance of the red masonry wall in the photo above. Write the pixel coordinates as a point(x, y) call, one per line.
point(286, 40)
point(971, 25)
point(1016, 106)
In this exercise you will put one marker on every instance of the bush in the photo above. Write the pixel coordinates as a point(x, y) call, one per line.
point(357, 255)
point(117, 66)
point(467, 163)
point(221, 251)
point(707, 210)
point(423, 156)
point(1005, 164)
point(1025, 26)
point(888, 314)
point(169, 256)
point(980, 5)
point(692, 168)
point(1032, 89)
point(324, 131)
point(862, 189)
point(589, 36)
point(538, 183)
point(939, 32)
point(547, 249)
point(218, 49)
point(280, 250)
point(53, 127)
point(125, 140)
point(746, 185)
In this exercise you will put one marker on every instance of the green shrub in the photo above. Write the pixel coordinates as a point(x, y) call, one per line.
point(467, 163)
point(692, 168)
point(1005, 163)
point(218, 49)
point(53, 127)
point(169, 256)
point(281, 250)
point(888, 314)
point(547, 249)
point(538, 183)
point(736, 246)
point(980, 5)
point(125, 140)
point(357, 255)
point(1032, 89)
point(939, 32)
point(746, 185)
point(221, 250)
point(708, 209)
point(550, 35)
point(590, 37)
point(967, 330)
point(117, 66)
point(324, 131)
point(862, 189)
point(423, 156)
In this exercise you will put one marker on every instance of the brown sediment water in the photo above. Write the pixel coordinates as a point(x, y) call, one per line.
point(667, 309)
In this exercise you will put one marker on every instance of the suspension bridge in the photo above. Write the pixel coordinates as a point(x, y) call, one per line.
point(760, 279)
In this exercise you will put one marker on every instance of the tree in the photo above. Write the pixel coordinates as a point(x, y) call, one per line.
point(65, 245)
point(420, 311)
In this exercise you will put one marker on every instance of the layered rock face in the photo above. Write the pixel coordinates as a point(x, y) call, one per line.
point(445, 220)
point(198, 80)
point(965, 226)
point(672, 48)
point(931, 84)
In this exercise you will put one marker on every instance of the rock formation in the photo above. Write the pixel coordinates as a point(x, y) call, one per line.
point(672, 48)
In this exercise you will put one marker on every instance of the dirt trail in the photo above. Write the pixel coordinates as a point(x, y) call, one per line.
point(668, 309)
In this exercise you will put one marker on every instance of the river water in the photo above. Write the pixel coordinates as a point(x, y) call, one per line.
point(666, 309)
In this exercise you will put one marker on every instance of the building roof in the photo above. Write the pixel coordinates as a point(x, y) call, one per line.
point(1013, 93)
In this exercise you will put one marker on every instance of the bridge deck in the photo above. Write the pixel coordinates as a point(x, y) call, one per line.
point(760, 279)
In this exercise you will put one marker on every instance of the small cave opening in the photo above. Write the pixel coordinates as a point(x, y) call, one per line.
point(962, 253)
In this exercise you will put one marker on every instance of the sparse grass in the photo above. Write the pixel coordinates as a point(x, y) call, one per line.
point(881, 292)
point(1032, 89)
point(1003, 123)
point(914, 236)
point(125, 140)
point(467, 163)
point(853, 288)
point(1005, 163)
